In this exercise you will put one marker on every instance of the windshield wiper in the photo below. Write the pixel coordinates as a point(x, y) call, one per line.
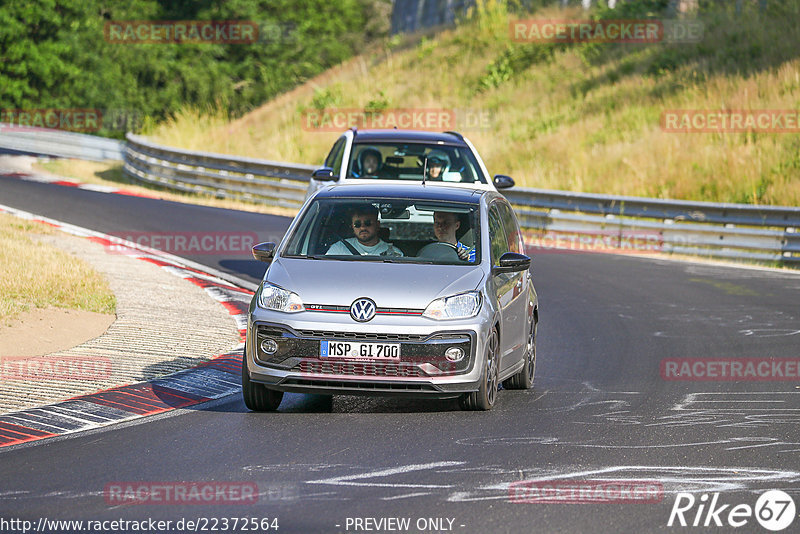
point(317, 257)
point(401, 259)
point(342, 257)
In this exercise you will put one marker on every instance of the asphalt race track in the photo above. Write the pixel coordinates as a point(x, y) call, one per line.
point(599, 409)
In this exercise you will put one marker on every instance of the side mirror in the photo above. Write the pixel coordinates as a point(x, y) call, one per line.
point(501, 181)
point(264, 252)
point(324, 174)
point(512, 262)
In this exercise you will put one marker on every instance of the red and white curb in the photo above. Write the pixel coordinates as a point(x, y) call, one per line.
point(217, 378)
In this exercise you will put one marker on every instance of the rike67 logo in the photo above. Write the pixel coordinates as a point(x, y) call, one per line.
point(774, 510)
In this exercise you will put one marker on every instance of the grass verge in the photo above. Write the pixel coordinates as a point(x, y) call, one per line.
point(34, 275)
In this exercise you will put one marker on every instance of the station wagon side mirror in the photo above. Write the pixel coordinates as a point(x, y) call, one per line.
point(501, 181)
point(512, 262)
point(264, 252)
point(324, 174)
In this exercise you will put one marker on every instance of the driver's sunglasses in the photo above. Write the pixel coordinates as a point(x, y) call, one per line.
point(358, 223)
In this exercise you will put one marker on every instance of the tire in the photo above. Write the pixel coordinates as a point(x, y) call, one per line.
point(256, 396)
point(325, 404)
point(486, 396)
point(524, 378)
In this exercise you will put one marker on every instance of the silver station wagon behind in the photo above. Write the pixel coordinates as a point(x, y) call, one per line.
point(395, 290)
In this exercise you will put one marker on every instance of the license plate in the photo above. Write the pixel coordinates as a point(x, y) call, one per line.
point(353, 350)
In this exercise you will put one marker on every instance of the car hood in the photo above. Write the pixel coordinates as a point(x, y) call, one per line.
point(390, 285)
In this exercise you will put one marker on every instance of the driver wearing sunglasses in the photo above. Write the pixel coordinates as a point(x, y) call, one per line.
point(366, 241)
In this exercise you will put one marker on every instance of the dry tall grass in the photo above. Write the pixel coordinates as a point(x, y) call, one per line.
point(572, 122)
point(35, 275)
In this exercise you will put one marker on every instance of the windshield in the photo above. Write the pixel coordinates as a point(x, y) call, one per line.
point(398, 230)
point(408, 161)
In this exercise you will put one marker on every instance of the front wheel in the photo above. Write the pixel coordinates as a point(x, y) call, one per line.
point(524, 378)
point(256, 396)
point(485, 397)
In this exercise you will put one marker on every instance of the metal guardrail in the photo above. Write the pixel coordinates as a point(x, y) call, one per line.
point(220, 175)
point(579, 231)
point(550, 219)
point(30, 140)
point(586, 221)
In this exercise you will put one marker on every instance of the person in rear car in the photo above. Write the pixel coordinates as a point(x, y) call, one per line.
point(370, 162)
point(367, 241)
point(438, 164)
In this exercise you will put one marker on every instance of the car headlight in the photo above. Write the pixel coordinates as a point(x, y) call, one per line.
point(279, 299)
point(456, 307)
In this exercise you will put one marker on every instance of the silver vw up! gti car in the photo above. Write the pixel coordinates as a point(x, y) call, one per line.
point(396, 290)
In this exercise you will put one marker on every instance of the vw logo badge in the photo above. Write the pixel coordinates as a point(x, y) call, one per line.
point(362, 310)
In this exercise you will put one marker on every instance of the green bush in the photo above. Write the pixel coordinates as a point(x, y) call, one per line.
point(515, 59)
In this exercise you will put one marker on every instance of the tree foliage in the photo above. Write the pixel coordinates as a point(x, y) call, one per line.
point(54, 54)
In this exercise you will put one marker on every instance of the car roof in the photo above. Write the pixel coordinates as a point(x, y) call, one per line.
point(415, 191)
point(411, 136)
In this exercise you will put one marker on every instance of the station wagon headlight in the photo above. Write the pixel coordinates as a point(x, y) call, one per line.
point(456, 307)
point(279, 299)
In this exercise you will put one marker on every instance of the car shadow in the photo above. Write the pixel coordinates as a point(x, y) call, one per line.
point(292, 402)
point(364, 404)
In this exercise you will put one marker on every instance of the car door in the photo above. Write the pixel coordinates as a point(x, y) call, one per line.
point(516, 319)
point(503, 286)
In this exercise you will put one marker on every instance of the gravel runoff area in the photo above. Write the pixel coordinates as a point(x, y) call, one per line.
point(164, 324)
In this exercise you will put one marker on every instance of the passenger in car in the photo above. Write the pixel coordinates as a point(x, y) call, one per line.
point(438, 165)
point(445, 225)
point(366, 228)
point(369, 162)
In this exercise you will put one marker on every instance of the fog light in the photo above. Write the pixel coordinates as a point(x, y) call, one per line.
point(454, 354)
point(268, 346)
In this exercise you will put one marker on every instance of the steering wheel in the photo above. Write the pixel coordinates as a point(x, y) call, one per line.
point(439, 251)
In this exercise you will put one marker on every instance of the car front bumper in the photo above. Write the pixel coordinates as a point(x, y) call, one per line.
point(421, 371)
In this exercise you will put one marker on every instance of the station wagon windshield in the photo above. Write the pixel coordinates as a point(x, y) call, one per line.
point(395, 230)
point(412, 161)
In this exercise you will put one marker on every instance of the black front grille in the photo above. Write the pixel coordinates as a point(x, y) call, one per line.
point(359, 369)
point(368, 336)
